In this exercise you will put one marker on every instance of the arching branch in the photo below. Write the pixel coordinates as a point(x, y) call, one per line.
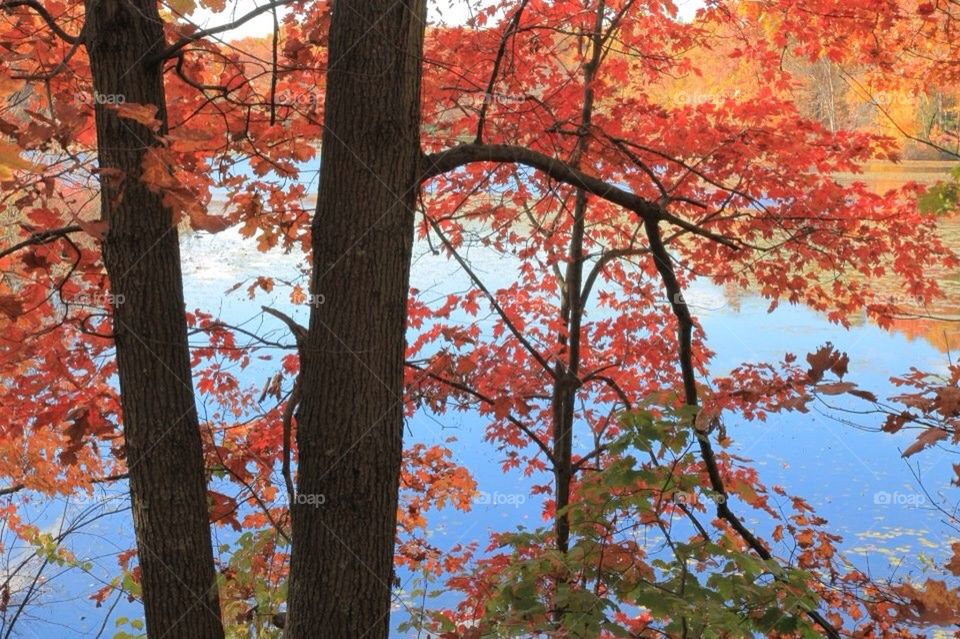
point(439, 163)
point(41, 11)
point(40, 237)
point(174, 48)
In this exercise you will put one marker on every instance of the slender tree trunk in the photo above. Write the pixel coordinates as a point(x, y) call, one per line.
point(571, 306)
point(142, 257)
point(350, 420)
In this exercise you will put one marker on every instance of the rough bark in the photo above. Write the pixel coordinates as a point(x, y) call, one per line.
point(142, 258)
point(350, 419)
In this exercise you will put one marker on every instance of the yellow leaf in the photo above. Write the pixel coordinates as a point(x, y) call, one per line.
point(182, 7)
point(9, 86)
point(10, 160)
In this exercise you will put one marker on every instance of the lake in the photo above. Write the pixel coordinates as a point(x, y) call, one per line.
point(854, 477)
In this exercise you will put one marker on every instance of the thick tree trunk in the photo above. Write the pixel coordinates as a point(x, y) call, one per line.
point(350, 420)
point(142, 257)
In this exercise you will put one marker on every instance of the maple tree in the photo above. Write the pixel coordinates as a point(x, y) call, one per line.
point(544, 131)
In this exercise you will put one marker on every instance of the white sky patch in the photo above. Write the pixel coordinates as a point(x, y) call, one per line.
point(257, 27)
point(439, 11)
point(450, 12)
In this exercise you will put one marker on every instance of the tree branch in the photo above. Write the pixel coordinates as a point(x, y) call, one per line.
point(606, 258)
point(49, 75)
point(685, 339)
point(7, 5)
point(300, 334)
point(486, 400)
point(16, 488)
point(172, 50)
point(492, 299)
point(41, 237)
point(435, 164)
point(488, 96)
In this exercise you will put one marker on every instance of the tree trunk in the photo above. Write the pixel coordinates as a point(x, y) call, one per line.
point(142, 257)
point(350, 420)
point(567, 382)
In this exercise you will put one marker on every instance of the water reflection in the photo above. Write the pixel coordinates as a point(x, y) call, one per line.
point(855, 478)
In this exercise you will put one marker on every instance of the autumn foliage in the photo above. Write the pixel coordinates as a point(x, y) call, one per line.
point(585, 339)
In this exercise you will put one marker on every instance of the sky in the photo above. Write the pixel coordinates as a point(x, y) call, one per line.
point(446, 11)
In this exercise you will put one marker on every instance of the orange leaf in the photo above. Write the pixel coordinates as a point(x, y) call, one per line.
point(926, 439)
point(954, 564)
point(805, 538)
point(145, 114)
point(202, 221)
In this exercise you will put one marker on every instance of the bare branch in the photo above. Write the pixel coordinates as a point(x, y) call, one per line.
point(174, 48)
point(299, 332)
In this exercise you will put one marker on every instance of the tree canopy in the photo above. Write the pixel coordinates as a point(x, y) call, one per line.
point(612, 153)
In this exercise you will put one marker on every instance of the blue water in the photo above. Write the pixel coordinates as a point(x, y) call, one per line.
point(842, 470)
